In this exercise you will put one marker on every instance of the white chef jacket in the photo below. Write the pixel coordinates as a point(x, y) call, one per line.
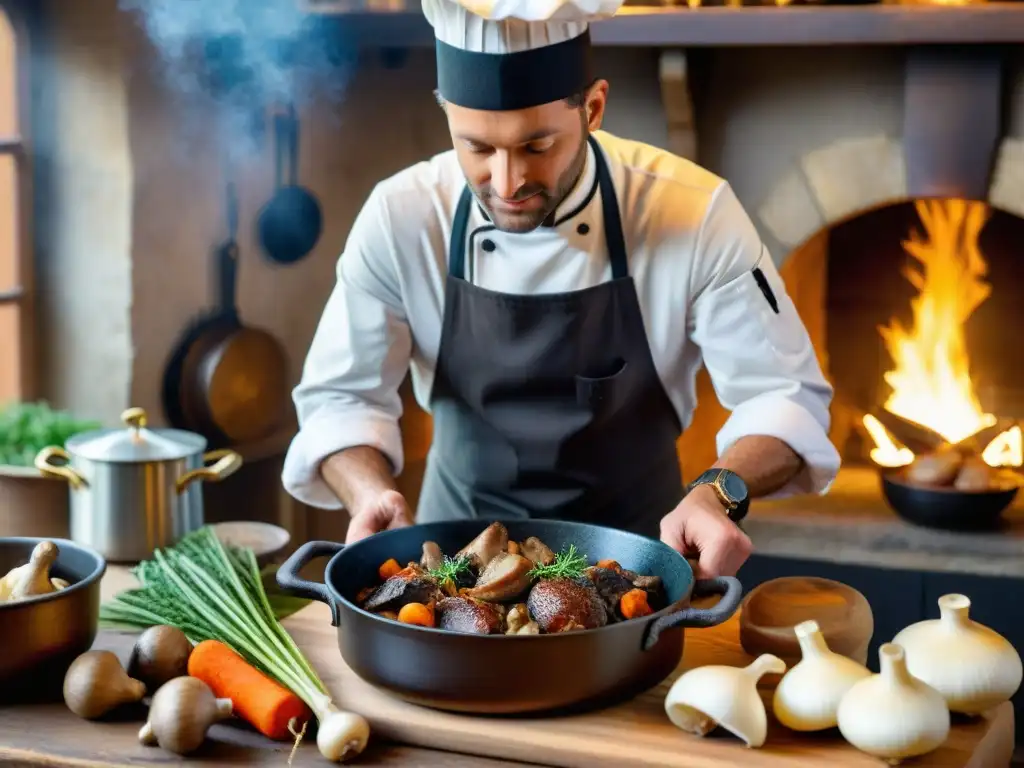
point(691, 250)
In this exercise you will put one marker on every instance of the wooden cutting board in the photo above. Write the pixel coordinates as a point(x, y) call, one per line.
point(637, 733)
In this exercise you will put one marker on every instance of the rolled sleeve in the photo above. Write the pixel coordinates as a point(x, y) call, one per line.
point(348, 395)
point(757, 350)
point(332, 428)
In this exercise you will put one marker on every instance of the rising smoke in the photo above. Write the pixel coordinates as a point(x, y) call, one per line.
point(247, 55)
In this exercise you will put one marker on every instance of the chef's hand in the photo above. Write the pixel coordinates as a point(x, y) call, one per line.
point(389, 510)
point(699, 526)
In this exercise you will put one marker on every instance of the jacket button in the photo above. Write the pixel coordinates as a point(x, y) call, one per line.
point(488, 245)
point(583, 228)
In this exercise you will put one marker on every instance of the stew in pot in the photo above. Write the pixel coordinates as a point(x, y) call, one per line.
point(495, 585)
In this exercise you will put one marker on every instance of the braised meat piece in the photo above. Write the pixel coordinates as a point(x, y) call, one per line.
point(561, 605)
point(491, 542)
point(650, 584)
point(432, 556)
point(611, 585)
point(464, 614)
point(412, 584)
point(505, 577)
point(537, 551)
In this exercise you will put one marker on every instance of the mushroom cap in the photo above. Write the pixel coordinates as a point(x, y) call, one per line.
point(725, 695)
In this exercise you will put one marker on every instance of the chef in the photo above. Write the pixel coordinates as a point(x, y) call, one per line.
point(553, 290)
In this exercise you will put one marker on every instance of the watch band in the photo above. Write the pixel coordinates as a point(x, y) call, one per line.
point(736, 504)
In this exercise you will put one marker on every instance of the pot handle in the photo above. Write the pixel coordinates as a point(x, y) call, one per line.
point(289, 580)
point(59, 471)
point(728, 587)
point(226, 463)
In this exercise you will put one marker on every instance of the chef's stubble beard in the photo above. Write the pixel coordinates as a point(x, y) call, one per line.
point(528, 222)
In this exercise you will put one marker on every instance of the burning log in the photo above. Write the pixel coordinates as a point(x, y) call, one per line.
point(916, 437)
point(980, 440)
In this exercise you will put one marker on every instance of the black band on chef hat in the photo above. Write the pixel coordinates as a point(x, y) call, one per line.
point(504, 81)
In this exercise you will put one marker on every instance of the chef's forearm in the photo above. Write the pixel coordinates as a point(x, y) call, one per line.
point(358, 476)
point(765, 463)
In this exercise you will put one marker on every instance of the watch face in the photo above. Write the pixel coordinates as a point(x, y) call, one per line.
point(734, 486)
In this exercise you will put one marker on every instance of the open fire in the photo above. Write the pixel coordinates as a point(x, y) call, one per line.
point(932, 392)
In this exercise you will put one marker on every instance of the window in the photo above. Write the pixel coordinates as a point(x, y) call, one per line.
point(15, 275)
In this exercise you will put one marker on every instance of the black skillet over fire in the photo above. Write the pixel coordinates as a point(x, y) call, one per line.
point(542, 645)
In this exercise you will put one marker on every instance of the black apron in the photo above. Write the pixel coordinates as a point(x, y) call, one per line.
point(550, 406)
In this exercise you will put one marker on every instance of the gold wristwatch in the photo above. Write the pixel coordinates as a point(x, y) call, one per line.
point(730, 489)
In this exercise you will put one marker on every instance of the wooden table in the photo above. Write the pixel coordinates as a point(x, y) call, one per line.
point(49, 735)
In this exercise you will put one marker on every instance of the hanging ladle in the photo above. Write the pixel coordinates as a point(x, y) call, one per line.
point(290, 223)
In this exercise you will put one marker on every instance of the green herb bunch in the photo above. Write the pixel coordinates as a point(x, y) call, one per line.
point(450, 569)
point(568, 564)
point(27, 428)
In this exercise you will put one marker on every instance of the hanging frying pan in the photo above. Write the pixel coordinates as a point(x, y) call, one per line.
point(290, 224)
point(226, 380)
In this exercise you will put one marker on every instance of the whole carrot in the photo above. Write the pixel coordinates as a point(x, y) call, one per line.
point(259, 700)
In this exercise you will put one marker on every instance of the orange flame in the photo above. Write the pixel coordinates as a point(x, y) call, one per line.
point(931, 381)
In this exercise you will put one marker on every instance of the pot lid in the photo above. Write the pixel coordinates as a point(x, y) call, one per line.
point(137, 443)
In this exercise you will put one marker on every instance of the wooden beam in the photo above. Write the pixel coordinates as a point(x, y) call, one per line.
point(395, 23)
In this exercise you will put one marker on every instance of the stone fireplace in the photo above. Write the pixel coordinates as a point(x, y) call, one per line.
point(836, 154)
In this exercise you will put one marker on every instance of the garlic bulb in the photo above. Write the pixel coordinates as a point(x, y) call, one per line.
point(720, 695)
point(893, 715)
point(972, 666)
point(808, 695)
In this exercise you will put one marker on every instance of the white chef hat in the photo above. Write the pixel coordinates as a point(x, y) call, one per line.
point(513, 54)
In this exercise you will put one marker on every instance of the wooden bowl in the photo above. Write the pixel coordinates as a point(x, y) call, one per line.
point(771, 610)
point(267, 541)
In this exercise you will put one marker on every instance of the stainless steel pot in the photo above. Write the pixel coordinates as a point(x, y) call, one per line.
point(134, 490)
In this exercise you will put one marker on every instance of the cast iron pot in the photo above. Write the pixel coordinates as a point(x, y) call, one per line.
point(946, 508)
point(41, 636)
point(499, 674)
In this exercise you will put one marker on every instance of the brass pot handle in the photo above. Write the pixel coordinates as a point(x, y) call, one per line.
point(61, 472)
point(226, 462)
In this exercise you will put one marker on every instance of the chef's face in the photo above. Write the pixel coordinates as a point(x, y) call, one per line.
point(523, 163)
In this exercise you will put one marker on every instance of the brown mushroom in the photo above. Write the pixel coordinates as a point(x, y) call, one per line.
point(537, 551)
point(432, 556)
point(491, 542)
point(505, 577)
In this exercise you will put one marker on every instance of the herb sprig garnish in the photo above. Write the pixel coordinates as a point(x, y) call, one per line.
point(450, 569)
point(568, 564)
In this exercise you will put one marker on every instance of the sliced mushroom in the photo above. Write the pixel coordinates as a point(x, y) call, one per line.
point(518, 621)
point(516, 618)
point(491, 542)
point(537, 551)
point(432, 556)
point(505, 577)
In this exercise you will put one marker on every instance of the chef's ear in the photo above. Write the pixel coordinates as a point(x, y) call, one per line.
point(597, 98)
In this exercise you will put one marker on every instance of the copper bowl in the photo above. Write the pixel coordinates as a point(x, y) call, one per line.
point(946, 508)
point(41, 636)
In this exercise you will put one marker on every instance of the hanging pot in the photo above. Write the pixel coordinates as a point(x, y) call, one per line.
point(136, 489)
point(291, 222)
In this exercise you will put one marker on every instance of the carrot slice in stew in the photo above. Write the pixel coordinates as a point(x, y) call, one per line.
point(388, 569)
point(634, 604)
point(417, 613)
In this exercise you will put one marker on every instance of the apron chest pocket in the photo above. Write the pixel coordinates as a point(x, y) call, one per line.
point(599, 393)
